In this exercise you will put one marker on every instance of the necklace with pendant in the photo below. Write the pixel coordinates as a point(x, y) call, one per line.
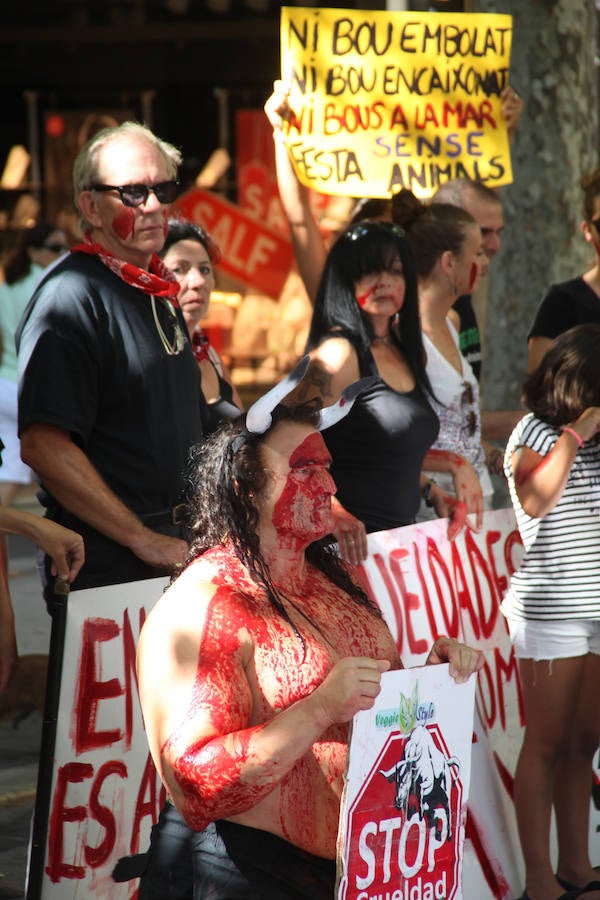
point(179, 339)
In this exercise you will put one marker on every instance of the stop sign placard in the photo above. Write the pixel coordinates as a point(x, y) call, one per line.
point(404, 825)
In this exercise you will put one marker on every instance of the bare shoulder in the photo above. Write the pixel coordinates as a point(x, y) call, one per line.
point(183, 607)
point(215, 579)
point(335, 353)
point(201, 608)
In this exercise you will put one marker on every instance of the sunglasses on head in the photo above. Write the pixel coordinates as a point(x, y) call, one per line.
point(364, 228)
point(137, 194)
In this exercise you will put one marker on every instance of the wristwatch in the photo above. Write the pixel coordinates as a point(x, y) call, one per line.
point(427, 492)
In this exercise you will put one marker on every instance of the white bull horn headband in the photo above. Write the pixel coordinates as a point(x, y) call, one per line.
point(260, 415)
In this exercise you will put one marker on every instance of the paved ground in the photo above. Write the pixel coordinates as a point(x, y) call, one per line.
point(19, 746)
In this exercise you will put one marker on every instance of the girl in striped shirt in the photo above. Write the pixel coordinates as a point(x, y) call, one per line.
point(552, 607)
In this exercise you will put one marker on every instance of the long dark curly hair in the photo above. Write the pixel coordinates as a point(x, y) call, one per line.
point(225, 474)
point(567, 380)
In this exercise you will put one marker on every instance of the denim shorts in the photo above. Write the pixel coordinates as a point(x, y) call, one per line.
point(543, 639)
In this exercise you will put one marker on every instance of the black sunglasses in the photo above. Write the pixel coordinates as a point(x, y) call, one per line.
point(56, 248)
point(596, 224)
point(137, 194)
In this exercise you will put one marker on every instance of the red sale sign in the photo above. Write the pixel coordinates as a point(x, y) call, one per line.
point(252, 253)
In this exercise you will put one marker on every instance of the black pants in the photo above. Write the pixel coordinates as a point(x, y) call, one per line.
point(229, 862)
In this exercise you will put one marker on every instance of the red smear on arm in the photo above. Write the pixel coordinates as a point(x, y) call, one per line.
point(454, 458)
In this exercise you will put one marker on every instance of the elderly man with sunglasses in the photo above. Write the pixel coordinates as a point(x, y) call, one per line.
point(109, 392)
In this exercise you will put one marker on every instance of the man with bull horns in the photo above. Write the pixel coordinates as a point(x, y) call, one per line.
point(254, 661)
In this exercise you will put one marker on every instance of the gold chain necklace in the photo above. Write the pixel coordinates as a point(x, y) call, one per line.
point(172, 349)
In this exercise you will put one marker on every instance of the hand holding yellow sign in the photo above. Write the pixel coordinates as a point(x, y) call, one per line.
point(385, 100)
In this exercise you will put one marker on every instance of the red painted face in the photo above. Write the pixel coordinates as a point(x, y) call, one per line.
point(473, 276)
point(382, 293)
point(361, 299)
point(124, 223)
point(302, 512)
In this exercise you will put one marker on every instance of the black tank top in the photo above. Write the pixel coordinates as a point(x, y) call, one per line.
point(378, 451)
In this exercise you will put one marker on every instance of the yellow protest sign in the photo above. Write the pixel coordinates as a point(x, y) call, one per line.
point(386, 100)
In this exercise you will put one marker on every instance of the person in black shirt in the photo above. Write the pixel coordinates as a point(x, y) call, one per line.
point(109, 392)
point(577, 301)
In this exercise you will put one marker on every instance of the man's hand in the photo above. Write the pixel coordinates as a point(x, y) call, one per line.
point(463, 660)
point(350, 534)
point(352, 685)
point(511, 107)
point(158, 550)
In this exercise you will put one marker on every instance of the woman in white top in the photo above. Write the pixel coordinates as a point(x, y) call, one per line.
point(446, 242)
point(36, 248)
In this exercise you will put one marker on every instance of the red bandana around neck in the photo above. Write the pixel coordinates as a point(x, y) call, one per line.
point(157, 280)
point(200, 345)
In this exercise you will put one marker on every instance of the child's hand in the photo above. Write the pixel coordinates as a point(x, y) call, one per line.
point(588, 423)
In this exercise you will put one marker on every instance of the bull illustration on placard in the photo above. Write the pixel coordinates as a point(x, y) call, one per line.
point(423, 780)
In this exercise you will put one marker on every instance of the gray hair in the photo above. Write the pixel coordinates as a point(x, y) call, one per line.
point(85, 168)
point(456, 190)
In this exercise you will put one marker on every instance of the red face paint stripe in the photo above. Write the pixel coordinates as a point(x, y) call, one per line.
point(312, 450)
point(124, 223)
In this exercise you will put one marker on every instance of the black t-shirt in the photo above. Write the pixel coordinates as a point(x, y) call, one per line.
point(91, 362)
point(469, 339)
point(566, 304)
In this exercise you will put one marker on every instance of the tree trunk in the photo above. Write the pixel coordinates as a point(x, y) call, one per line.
point(553, 69)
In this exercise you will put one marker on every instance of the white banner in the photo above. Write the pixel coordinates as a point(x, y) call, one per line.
point(105, 792)
point(426, 586)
